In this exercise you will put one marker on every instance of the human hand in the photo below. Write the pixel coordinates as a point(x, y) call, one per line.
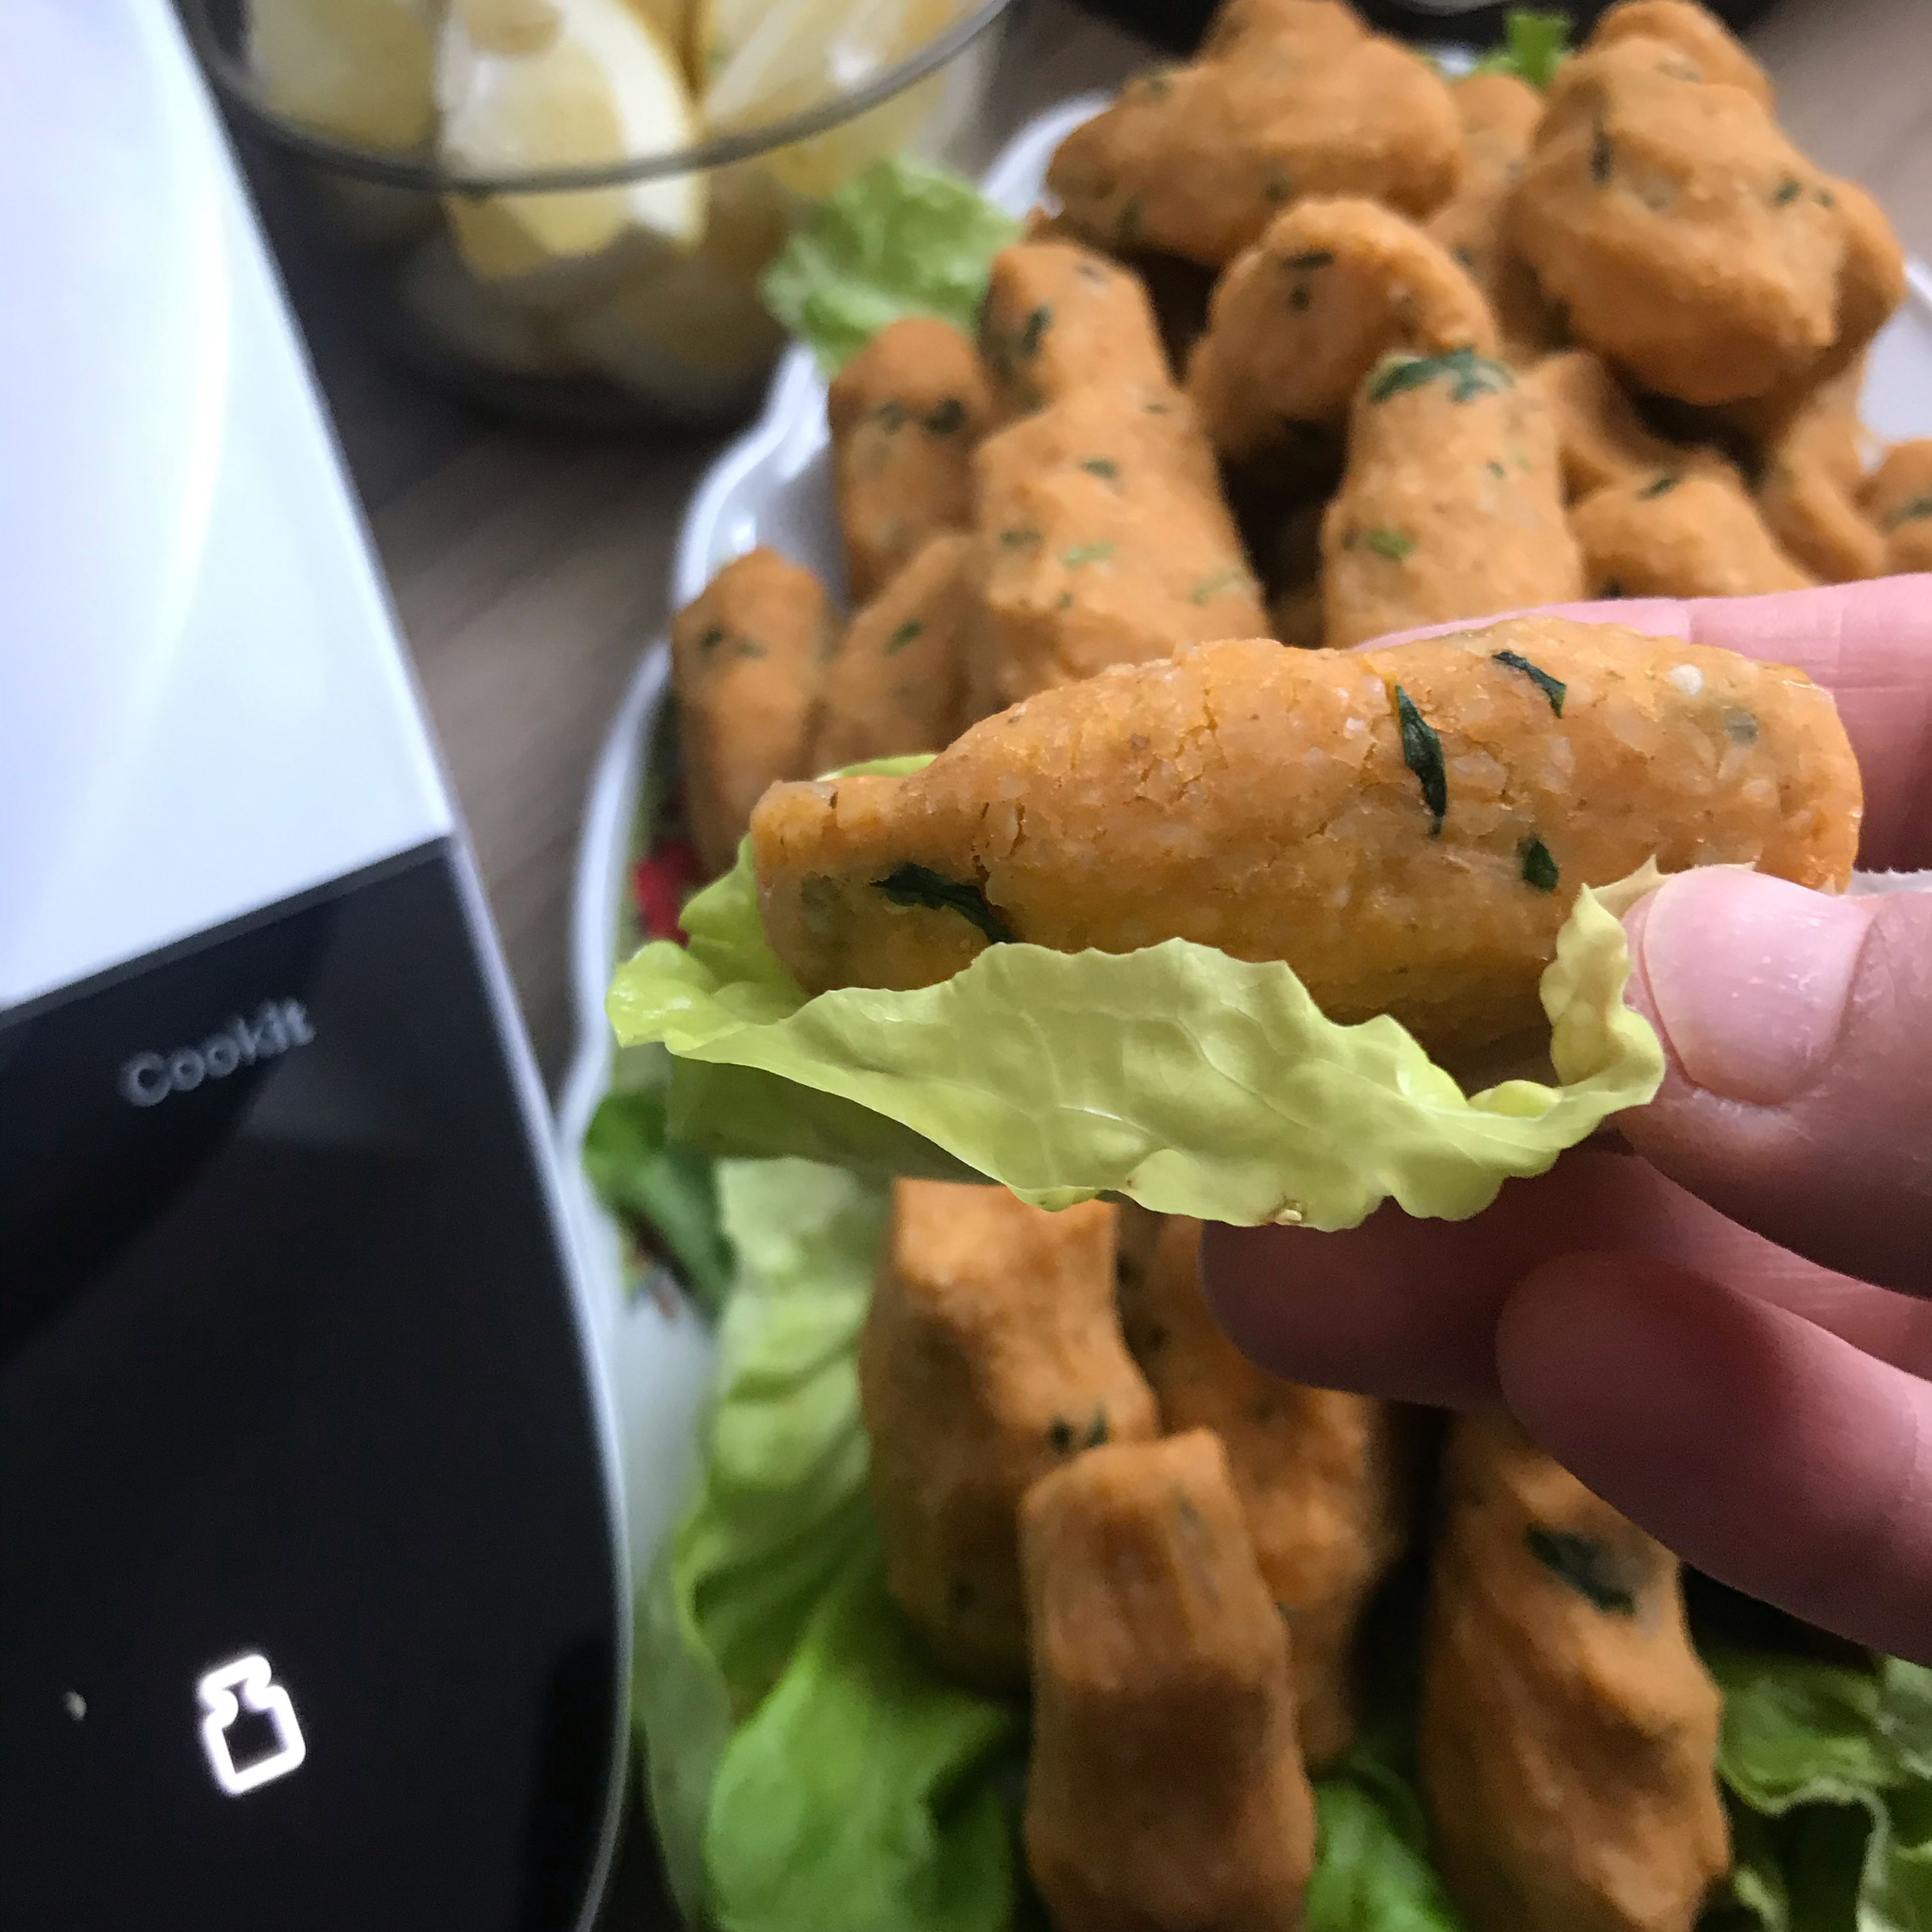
point(1725, 1338)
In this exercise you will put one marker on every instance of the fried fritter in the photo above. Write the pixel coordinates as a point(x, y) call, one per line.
point(1407, 827)
point(1694, 31)
point(1452, 504)
point(1600, 437)
point(1687, 239)
point(1688, 531)
point(897, 682)
point(1899, 495)
point(904, 413)
point(1300, 319)
point(1315, 1470)
point(992, 1354)
point(1166, 1791)
point(747, 656)
point(1060, 317)
point(1568, 1732)
point(1287, 98)
point(1809, 496)
point(1499, 114)
point(1104, 539)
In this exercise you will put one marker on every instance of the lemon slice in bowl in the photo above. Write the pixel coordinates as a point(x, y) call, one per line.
point(799, 54)
point(534, 84)
point(359, 69)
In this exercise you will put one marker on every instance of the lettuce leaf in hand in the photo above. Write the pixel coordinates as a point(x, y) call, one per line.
point(1189, 1081)
point(904, 237)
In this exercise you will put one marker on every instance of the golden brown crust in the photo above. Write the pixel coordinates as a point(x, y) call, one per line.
point(905, 413)
point(1451, 507)
point(747, 656)
point(992, 1354)
point(1809, 497)
point(1316, 1470)
point(1259, 800)
point(1166, 1791)
point(1899, 496)
point(1299, 319)
point(1690, 530)
point(1713, 50)
point(897, 682)
point(1600, 437)
point(1568, 1731)
point(1284, 101)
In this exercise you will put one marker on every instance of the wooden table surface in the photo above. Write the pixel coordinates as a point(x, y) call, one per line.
point(528, 568)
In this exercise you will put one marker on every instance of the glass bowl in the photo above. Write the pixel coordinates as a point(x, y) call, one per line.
point(599, 321)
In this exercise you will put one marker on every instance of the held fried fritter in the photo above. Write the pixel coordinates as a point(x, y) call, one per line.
point(1300, 319)
point(1808, 495)
point(1601, 438)
point(747, 656)
point(1499, 115)
point(1688, 531)
point(992, 1354)
point(1060, 317)
point(904, 413)
point(1287, 98)
point(1407, 827)
point(1315, 1470)
point(1568, 1731)
point(1166, 1791)
point(1899, 495)
point(897, 681)
point(1452, 504)
point(1689, 241)
point(1104, 539)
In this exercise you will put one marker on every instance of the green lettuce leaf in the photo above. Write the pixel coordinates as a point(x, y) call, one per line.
point(1370, 1875)
point(1189, 1081)
point(1535, 44)
point(904, 237)
point(664, 1193)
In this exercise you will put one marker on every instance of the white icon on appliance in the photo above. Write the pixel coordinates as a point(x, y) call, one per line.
point(251, 1678)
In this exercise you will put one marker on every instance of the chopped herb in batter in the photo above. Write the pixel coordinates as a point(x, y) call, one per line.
point(1059, 1433)
point(1096, 1429)
point(1102, 466)
point(1422, 753)
point(1465, 257)
point(1155, 87)
point(1392, 544)
point(946, 417)
point(1275, 190)
point(1021, 536)
point(1127, 229)
point(1788, 191)
point(713, 635)
point(1495, 468)
point(1076, 554)
point(1584, 1564)
point(1908, 512)
point(1300, 296)
point(1469, 375)
point(1313, 258)
point(1539, 869)
point(892, 414)
point(1217, 582)
point(906, 633)
point(1033, 331)
point(911, 885)
point(1741, 728)
point(1603, 156)
point(1551, 687)
point(1663, 486)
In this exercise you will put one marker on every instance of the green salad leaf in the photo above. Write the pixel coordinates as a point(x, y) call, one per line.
point(1534, 45)
point(665, 1193)
point(904, 237)
point(1369, 1875)
point(1191, 1082)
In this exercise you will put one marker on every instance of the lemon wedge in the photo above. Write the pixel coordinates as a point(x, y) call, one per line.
point(530, 84)
point(791, 55)
point(359, 69)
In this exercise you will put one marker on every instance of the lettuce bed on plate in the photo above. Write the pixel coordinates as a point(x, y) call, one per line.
point(808, 1766)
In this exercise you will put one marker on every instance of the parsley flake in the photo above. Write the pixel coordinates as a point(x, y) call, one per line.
point(1231, 577)
point(1539, 869)
point(1551, 687)
point(907, 633)
point(914, 885)
point(946, 417)
point(1422, 753)
point(1584, 1564)
point(1468, 375)
point(1909, 511)
point(1662, 486)
point(1075, 555)
point(1101, 465)
point(1392, 544)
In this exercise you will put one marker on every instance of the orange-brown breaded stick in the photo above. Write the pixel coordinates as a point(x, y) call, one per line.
point(1316, 1470)
point(1809, 495)
point(1601, 438)
point(1406, 826)
point(1899, 494)
point(1690, 530)
point(1568, 1730)
point(992, 1354)
point(747, 656)
point(905, 412)
point(1166, 1791)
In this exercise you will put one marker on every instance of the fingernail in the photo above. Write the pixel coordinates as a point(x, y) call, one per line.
point(1746, 978)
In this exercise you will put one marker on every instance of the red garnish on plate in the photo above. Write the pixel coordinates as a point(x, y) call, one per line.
point(660, 882)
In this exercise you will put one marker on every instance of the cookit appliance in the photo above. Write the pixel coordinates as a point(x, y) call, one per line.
point(311, 1577)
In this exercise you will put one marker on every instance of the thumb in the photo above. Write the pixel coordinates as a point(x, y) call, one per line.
point(1798, 1032)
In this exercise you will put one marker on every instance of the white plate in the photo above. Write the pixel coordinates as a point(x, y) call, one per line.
point(773, 486)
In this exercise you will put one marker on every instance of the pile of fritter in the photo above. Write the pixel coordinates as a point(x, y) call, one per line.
point(1311, 345)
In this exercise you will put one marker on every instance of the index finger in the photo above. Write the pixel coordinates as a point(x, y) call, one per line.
point(1870, 644)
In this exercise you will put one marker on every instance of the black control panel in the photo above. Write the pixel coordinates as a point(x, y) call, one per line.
point(309, 1607)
